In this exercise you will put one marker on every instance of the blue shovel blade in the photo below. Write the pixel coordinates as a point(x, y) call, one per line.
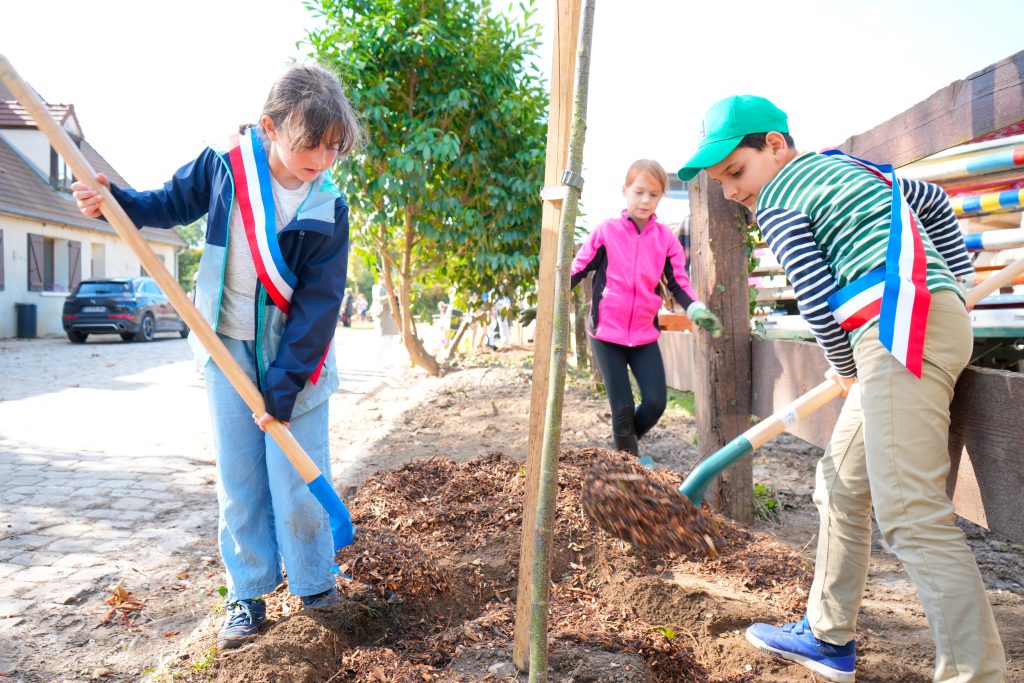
point(341, 521)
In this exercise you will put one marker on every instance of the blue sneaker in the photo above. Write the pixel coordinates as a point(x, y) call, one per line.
point(796, 643)
point(242, 623)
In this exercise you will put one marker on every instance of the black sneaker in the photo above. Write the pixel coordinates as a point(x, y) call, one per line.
point(326, 600)
point(242, 623)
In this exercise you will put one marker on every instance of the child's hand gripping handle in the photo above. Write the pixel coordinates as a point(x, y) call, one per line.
point(341, 523)
point(697, 481)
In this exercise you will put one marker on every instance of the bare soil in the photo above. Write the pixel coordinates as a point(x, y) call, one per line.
point(437, 499)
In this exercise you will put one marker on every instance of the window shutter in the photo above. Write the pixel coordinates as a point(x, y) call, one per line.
point(3, 282)
point(74, 264)
point(35, 263)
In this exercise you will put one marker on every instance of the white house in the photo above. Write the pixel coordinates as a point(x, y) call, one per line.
point(46, 245)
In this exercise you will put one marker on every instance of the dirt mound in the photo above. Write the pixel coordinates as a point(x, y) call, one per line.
point(429, 592)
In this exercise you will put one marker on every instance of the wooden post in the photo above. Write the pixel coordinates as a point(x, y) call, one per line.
point(722, 382)
point(567, 23)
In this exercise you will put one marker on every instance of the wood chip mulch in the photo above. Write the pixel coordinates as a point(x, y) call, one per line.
point(437, 555)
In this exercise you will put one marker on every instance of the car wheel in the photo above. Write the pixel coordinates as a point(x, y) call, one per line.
point(147, 329)
point(183, 331)
point(128, 336)
point(77, 337)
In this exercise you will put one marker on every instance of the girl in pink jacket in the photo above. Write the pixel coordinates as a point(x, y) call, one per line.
point(628, 256)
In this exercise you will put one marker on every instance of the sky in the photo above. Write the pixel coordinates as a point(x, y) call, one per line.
point(152, 83)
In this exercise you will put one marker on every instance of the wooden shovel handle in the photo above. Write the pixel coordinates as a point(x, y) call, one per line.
point(126, 229)
point(994, 282)
point(789, 414)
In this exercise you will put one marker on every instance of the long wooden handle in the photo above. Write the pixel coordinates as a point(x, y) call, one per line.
point(791, 413)
point(126, 229)
point(994, 282)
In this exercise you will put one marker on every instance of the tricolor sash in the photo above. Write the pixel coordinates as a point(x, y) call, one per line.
point(256, 201)
point(896, 293)
point(255, 195)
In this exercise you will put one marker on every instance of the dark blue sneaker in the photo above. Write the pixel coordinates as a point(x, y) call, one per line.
point(796, 643)
point(242, 623)
point(326, 600)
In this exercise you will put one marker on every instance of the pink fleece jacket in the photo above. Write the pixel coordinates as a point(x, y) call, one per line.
point(628, 265)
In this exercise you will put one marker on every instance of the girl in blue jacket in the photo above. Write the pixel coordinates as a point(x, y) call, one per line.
point(270, 283)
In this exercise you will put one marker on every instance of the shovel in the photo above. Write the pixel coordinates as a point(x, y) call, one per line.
point(695, 484)
point(342, 530)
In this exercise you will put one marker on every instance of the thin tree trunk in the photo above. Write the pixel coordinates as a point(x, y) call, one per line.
point(548, 486)
point(402, 303)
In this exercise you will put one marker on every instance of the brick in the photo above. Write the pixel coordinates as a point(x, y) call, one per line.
point(132, 503)
point(74, 529)
point(26, 490)
point(41, 574)
point(76, 560)
point(25, 541)
point(20, 481)
point(13, 607)
point(7, 569)
point(37, 557)
point(69, 545)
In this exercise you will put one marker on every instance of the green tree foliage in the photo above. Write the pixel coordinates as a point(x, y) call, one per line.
point(188, 258)
point(445, 190)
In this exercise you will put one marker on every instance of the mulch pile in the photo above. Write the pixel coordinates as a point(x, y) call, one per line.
point(434, 570)
point(645, 509)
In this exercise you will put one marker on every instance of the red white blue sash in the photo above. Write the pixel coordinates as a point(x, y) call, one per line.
point(896, 293)
point(256, 203)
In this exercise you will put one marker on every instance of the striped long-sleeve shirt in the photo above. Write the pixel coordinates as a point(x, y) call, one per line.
point(827, 222)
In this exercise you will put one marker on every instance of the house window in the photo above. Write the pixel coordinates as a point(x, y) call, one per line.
point(60, 173)
point(53, 265)
point(47, 264)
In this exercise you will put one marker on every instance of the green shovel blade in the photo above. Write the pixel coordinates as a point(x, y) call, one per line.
point(697, 481)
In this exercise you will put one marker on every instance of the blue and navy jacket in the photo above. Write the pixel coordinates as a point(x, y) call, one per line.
point(314, 244)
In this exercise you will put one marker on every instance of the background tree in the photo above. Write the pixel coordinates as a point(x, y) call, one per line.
point(445, 191)
point(188, 258)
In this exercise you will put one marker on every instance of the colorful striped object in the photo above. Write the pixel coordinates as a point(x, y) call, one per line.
point(989, 202)
point(903, 296)
point(994, 239)
point(979, 164)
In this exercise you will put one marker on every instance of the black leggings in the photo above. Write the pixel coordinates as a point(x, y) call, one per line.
point(649, 370)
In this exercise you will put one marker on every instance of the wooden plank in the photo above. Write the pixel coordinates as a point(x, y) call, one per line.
point(987, 474)
point(985, 101)
point(722, 366)
point(567, 23)
point(677, 355)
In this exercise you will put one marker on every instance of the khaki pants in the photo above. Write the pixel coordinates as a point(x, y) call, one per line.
point(889, 450)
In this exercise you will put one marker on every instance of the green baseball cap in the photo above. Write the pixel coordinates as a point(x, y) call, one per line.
point(726, 123)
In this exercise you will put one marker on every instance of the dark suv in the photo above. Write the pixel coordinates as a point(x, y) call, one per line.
point(133, 307)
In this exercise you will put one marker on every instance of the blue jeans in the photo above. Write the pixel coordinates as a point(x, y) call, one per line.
point(267, 514)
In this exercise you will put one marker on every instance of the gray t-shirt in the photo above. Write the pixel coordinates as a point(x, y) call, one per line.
point(238, 302)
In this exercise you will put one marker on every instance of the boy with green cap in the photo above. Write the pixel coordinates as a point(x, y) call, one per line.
point(874, 261)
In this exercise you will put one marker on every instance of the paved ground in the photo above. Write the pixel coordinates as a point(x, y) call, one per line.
point(107, 469)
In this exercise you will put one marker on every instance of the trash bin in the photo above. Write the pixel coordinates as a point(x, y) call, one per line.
point(26, 320)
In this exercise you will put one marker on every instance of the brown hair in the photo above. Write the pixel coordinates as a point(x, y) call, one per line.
point(647, 166)
point(310, 101)
point(760, 141)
